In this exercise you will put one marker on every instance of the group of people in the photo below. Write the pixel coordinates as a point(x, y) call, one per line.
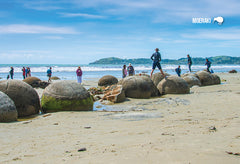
point(26, 72)
point(128, 70)
point(156, 58)
point(208, 64)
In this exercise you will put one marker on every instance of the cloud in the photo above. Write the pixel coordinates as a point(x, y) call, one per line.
point(91, 16)
point(214, 34)
point(42, 5)
point(53, 37)
point(158, 11)
point(34, 29)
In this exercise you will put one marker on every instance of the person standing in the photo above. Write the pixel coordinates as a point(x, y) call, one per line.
point(24, 72)
point(189, 62)
point(28, 72)
point(208, 63)
point(49, 74)
point(156, 58)
point(178, 71)
point(11, 72)
point(124, 71)
point(130, 69)
point(79, 75)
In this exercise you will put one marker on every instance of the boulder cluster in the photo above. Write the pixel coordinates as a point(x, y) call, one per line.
point(19, 98)
point(143, 86)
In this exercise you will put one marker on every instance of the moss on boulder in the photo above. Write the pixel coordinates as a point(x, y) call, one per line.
point(66, 96)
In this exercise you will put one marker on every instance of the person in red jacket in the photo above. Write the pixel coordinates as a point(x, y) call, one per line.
point(24, 72)
point(79, 75)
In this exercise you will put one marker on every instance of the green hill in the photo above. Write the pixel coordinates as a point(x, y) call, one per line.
point(198, 60)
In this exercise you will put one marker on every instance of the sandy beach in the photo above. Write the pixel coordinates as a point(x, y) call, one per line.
point(200, 127)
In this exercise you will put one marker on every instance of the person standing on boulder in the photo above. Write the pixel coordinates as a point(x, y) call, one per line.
point(189, 62)
point(208, 63)
point(124, 71)
point(49, 74)
point(79, 75)
point(130, 69)
point(11, 72)
point(156, 58)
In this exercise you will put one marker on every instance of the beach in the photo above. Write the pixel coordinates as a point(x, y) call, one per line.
point(200, 127)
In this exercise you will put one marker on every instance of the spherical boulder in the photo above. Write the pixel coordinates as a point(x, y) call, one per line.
point(232, 71)
point(36, 82)
point(8, 111)
point(138, 87)
point(157, 77)
point(173, 85)
point(107, 80)
point(55, 78)
point(25, 98)
point(216, 79)
point(33, 81)
point(205, 78)
point(192, 80)
point(66, 96)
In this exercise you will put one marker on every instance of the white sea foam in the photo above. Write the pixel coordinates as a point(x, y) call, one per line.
point(17, 69)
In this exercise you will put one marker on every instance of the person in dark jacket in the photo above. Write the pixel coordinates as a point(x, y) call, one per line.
point(189, 62)
point(130, 69)
point(178, 71)
point(11, 72)
point(156, 58)
point(208, 63)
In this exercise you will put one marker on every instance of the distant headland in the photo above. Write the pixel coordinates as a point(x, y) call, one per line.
point(197, 60)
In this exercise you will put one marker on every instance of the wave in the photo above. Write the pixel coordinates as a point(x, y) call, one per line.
point(39, 69)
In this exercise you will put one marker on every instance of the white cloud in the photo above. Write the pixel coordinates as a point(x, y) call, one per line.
point(91, 16)
point(214, 34)
point(42, 5)
point(34, 29)
point(53, 37)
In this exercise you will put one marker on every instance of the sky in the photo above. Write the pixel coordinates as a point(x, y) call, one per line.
point(81, 31)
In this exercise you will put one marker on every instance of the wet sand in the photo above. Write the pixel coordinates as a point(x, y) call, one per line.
point(200, 127)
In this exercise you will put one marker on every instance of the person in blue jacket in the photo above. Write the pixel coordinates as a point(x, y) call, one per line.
point(208, 63)
point(49, 74)
point(178, 71)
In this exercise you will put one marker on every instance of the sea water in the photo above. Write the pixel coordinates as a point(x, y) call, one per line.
point(68, 71)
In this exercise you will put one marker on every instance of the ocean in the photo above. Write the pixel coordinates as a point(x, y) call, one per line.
point(67, 71)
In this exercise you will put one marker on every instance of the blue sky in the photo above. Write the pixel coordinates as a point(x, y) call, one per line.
point(80, 31)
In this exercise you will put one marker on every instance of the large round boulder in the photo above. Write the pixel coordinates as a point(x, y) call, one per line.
point(25, 98)
point(173, 85)
point(107, 80)
point(8, 111)
point(205, 78)
point(31, 80)
point(138, 87)
point(36, 82)
point(192, 80)
point(157, 77)
point(66, 96)
point(216, 79)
